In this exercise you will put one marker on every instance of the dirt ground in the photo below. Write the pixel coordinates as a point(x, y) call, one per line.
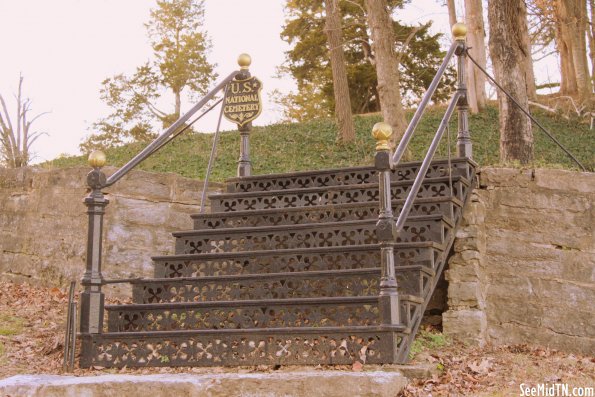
point(32, 323)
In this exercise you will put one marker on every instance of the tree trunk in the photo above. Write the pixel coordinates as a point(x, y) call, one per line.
point(509, 60)
point(526, 43)
point(334, 37)
point(178, 108)
point(452, 12)
point(387, 68)
point(476, 92)
point(591, 35)
point(570, 16)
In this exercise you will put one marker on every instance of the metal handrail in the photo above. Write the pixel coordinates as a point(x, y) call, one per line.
point(402, 147)
point(425, 165)
point(153, 146)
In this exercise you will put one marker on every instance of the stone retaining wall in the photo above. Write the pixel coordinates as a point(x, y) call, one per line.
point(524, 263)
point(43, 222)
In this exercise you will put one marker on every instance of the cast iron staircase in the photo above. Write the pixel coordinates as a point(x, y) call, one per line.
point(286, 270)
point(319, 267)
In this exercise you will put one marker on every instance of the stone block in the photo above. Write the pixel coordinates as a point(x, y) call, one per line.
point(468, 326)
point(466, 294)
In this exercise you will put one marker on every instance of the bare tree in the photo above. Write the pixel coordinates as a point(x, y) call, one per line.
point(509, 60)
point(383, 44)
point(340, 86)
point(16, 137)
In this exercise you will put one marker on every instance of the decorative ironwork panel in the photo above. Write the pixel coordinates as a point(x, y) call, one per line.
point(310, 314)
point(315, 235)
point(348, 176)
point(273, 262)
point(294, 216)
point(241, 349)
point(293, 285)
point(331, 196)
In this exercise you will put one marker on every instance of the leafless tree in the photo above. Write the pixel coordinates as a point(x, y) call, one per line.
point(16, 136)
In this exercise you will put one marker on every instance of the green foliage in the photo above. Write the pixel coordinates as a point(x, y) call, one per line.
point(308, 60)
point(426, 340)
point(311, 145)
point(179, 66)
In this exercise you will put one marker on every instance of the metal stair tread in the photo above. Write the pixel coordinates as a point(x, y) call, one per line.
point(324, 189)
point(334, 170)
point(344, 272)
point(251, 331)
point(289, 251)
point(258, 302)
point(268, 211)
point(272, 229)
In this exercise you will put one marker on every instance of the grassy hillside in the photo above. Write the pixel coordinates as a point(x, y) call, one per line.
point(311, 145)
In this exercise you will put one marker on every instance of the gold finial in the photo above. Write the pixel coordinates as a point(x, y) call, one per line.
point(382, 132)
point(244, 60)
point(459, 31)
point(97, 159)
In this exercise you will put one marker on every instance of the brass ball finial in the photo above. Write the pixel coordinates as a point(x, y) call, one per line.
point(244, 60)
point(382, 132)
point(459, 31)
point(97, 159)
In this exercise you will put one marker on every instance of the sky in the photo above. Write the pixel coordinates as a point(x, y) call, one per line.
point(65, 48)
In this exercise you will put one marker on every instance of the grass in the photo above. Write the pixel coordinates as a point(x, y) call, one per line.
point(427, 340)
point(9, 326)
point(311, 145)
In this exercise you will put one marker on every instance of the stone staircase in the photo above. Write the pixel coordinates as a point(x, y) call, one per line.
point(286, 270)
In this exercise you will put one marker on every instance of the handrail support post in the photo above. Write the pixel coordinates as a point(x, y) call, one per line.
point(386, 231)
point(92, 298)
point(464, 145)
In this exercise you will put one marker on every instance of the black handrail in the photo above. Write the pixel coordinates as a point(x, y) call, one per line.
point(425, 165)
point(158, 142)
point(402, 147)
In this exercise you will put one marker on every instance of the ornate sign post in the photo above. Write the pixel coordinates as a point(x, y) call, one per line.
point(242, 105)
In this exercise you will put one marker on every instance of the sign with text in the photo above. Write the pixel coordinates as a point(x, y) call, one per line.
point(243, 103)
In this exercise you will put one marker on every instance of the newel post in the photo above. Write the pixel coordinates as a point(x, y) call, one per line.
point(386, 230)
point(244, 163)
point(92, 299)
point(464, 146)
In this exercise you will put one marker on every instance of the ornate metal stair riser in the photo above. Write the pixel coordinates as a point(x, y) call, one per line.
point(305, 236)
point(320, 214)
point(438, 187)
point(364, 282)
point(333, 346)
point(349, 176)
point(425, 255)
